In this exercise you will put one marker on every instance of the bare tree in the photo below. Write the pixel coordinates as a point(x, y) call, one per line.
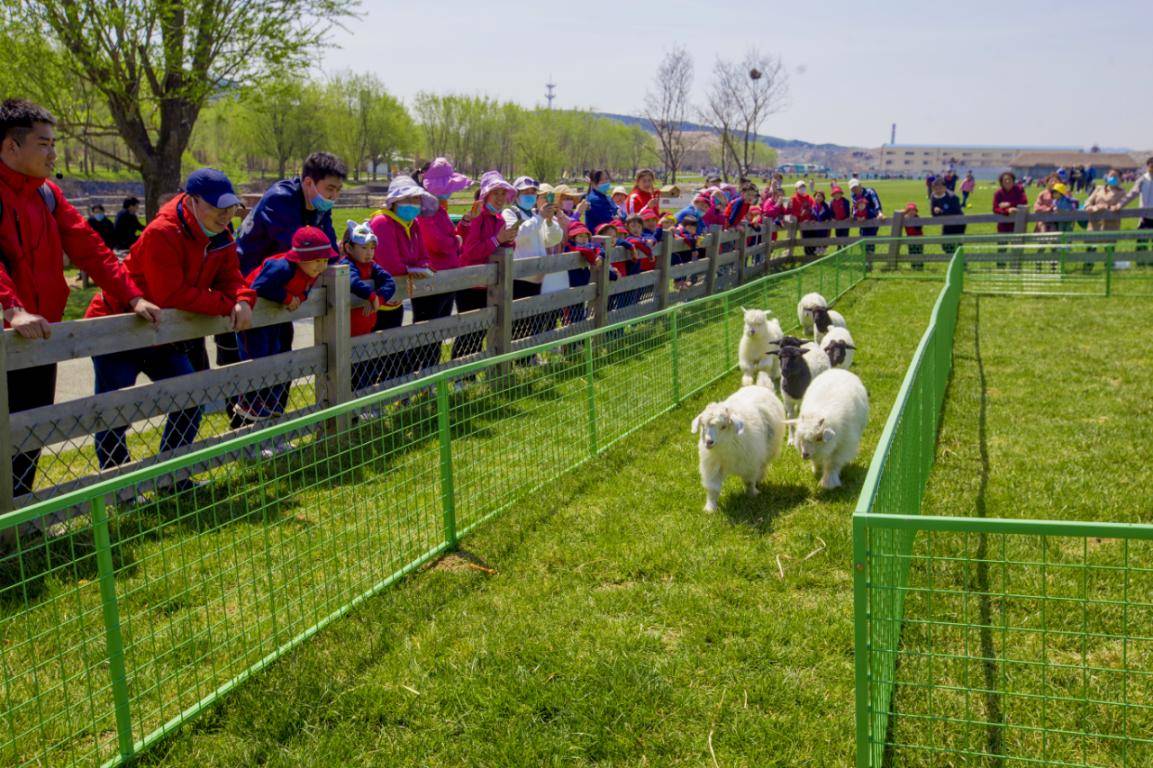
point(722, 113)
point(742, 96)
point(667, 107)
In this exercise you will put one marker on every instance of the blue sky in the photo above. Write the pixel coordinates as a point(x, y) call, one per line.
point(1008, 72)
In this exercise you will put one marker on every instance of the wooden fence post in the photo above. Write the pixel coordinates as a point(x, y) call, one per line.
point(712, 253)
point(332, 329)
point(664, 262)
point(603, 283)
point(791, 237)
point(6, 489)
point(500, 299)
point(1020, 220)
point(895, 233)
point(768, 228)
point(742, 255)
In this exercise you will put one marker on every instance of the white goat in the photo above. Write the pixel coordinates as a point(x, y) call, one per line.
point(823, 320)
point(805, 309)
point(833, 416)
point(740, 436)
point(761, 335)
point(800, 366)
point(838, 345)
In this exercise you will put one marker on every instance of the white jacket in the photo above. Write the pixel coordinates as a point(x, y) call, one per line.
point(534, 237)
point(1144, 188)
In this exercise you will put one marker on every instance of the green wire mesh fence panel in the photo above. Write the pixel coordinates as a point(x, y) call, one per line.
point(895, 484)
point(1025, 644)
point(1057, 269)
point(121, 623)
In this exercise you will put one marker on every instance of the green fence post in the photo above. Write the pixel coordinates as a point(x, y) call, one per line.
point(447, 492)
point(1109, 270)
point(800, 284)
point(837, 277)
point(861, 637)
point(112, 636)
point(728, 341)
point(591, 397)
point(676, 357)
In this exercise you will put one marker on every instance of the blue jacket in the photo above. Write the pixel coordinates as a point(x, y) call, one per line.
point(268, 228)
point(601, 210)
point(381, 283)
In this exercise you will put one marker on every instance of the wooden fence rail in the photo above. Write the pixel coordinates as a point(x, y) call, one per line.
point(321, 373)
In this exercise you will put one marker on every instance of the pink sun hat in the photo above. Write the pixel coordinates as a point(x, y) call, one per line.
point(441, 179)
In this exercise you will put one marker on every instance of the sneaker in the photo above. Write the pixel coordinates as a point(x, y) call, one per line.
point(252, 412)
point(170, 487)
point(275, 447)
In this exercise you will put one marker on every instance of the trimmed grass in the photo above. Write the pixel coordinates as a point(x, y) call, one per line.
point(604, 621)
point(1035, 647)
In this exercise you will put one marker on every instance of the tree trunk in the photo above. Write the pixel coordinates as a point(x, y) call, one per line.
point(161, 176)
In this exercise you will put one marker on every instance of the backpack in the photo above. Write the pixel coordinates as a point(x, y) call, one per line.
point(45, 194)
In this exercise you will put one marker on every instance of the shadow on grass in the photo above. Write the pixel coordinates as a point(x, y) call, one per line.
point(995, 713)
point(760, 512)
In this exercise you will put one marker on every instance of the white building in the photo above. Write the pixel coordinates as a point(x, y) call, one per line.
point(917, 160)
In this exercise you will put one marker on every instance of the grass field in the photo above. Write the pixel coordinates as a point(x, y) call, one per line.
point(1031, 648)
point(606, 621)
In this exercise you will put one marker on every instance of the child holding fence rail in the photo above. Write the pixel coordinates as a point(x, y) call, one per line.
point(371, 282)
point(916, 230)
point(945, 203)
point(285, 279)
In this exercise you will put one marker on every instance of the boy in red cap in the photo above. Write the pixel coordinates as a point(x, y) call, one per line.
point(841, 209)
point(285, 278)
point(914, 231)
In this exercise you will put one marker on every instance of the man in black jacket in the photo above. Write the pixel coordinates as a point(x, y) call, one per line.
point(128, 224)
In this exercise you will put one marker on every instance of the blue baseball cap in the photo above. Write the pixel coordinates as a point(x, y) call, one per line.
point(213, 187)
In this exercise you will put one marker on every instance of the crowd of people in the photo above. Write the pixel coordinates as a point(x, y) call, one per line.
point(189, 257)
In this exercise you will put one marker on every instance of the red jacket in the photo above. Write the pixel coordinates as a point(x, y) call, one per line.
point(397, 247)
point(33, 242)
point(801, 207)
point(841, 208)
point(178, 267)
point(1015, 198)
point(637, 201)
point(439, 237)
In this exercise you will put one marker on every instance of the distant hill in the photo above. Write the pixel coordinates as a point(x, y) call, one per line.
point(772, 141)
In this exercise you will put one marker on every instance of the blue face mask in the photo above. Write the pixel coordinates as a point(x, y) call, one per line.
point(406, 212)
point(526, 201)
point(98, 216)
point(604, 188)
point(490, 208)
point(322, 203)
point(1111, 181)
point(443, 197)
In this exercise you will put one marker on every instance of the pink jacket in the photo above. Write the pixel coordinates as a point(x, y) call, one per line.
point(398, 247)
point(480, 240)
point(438, 234)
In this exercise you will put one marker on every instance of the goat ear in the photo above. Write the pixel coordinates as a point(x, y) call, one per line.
point(849, 346)
point(696, 424)
point(739, 424)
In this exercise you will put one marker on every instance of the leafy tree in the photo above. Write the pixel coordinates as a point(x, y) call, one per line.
point(156, 62)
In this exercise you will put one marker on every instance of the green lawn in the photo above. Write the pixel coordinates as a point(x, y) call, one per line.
point(1032, 647)
point(604, 621)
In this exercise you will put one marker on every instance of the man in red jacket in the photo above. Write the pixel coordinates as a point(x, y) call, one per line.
point(185, 259)
point(37, 226)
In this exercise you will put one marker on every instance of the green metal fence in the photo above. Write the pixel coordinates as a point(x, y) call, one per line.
point(994, 642)
point(138, 614)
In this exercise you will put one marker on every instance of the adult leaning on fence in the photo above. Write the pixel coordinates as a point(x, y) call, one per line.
point(185, 259)
point(37, 226)
point(444, 247)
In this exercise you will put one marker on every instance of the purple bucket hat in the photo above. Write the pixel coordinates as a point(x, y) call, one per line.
point(492, 180)
point(440, 179)
point(403, 186)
